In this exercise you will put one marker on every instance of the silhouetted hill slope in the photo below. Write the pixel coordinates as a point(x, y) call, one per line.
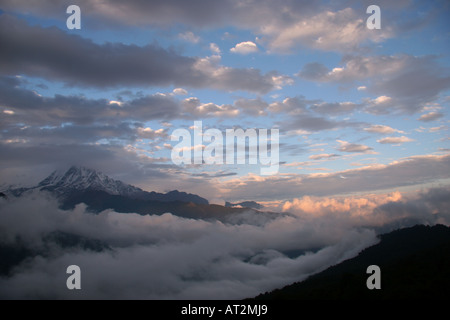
point(414, 263)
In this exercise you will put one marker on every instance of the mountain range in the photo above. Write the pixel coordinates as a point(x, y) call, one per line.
point(100, 192)
point(65, 184)
point(414, 264)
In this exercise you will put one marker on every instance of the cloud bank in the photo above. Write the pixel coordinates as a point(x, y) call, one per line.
point(168, 257)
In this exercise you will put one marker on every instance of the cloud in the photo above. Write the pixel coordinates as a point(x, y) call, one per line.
point(353, 147)
point(395, 140)
point(324, 26)
point(341, 30)
point(379, 128)
point(196, 108)
point(314, 124)
point(245, 48)
point(335, 108)
point(293, 105)
point(381, 210)
point(54, 55)
point(430, 116)
point(189, 36)
point(396, 79)
point(133, 13)
point(214, 48)
point(412, 171)
point(166, 257)
point(149, 133)
point(34, 109)
point(323, 156)
point(361, 206)
point(254, 107)
point(180, 91)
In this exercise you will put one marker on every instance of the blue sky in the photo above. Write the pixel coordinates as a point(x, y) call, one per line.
point(358, 110)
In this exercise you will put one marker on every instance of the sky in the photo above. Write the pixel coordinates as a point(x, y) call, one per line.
point(363, 144)
point(358, 110)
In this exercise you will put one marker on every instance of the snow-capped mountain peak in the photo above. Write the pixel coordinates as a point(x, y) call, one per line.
point(80, 178)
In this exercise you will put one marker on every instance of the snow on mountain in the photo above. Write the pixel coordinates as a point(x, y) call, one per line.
point(80, 179)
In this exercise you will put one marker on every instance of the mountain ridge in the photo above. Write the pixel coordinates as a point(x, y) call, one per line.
point(80, 179)
point(99, 193)
point(414, 264)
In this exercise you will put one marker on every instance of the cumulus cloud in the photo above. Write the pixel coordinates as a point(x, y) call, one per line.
point(379, 209)
point(353, 147)
point(325, 26)
point(214, 48)
point(245, 48)
point(196, 108)
point(313, 123)
point(379, 128)
point(430, 116)
point(341, 30)
point(323, 156)
point(180, 91)
point(395, 140)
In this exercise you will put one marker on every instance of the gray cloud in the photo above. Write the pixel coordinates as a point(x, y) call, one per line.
point(52, 54)
point(335, 108)
point(430, 116)
point(405, 172)
point(313, 123)
point(32, 109)
point(400, 79)
point(306, 23)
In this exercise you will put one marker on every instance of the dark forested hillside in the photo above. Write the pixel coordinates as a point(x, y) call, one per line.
point(414, 263)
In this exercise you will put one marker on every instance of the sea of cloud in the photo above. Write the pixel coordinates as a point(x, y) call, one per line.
point(169, 257)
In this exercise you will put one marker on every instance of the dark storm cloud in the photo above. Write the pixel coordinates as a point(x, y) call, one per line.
point(52, 54)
